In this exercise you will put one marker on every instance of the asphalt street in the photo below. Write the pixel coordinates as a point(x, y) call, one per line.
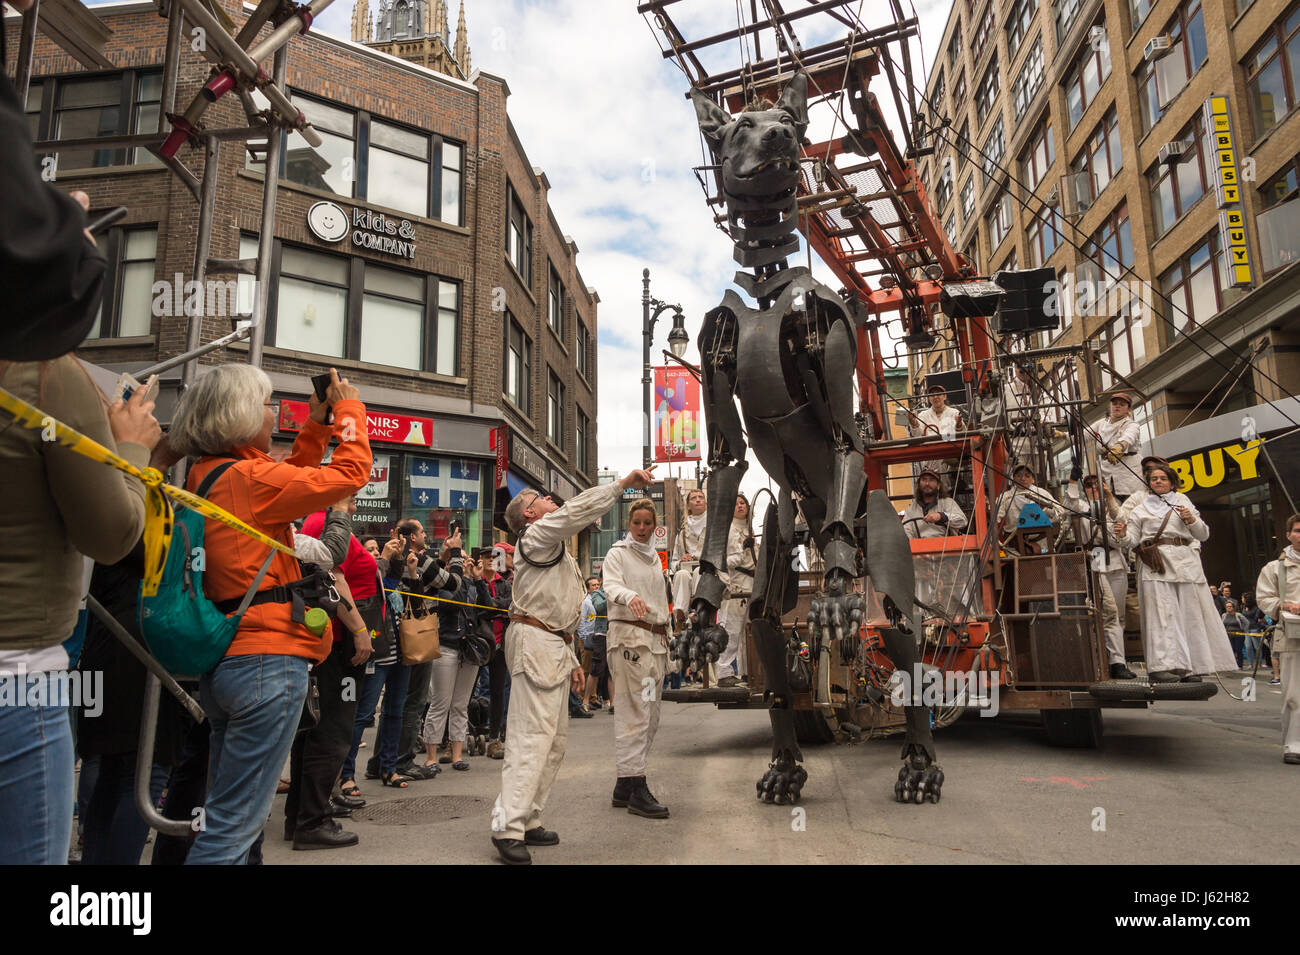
point(1189, 783)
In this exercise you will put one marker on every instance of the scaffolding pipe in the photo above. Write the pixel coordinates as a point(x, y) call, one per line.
point(171, 64)
point(144, 767)
point(270, 191)
point(26, 50)
point(256, 20)
point(300, 22)
point(214, 345)
point(202, 246)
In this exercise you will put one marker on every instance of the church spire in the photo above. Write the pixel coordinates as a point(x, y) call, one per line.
point(361, 21)
point(462, 43)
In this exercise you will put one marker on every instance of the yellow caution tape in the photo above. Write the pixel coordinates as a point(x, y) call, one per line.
point(157, 506)
point(448, 600)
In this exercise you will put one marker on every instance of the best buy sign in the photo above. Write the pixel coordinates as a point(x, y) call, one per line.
point(1227, 187)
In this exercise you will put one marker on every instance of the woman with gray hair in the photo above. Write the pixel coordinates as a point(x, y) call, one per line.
point(253, 698)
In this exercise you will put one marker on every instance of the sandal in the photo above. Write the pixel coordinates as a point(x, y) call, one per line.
point(351, 789)
point(395, 780)
point(460, 764)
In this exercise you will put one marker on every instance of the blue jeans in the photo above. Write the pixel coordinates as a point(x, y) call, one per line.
point(1250, 649)
point(253, 705)
point(36, 769)
point(395, 677)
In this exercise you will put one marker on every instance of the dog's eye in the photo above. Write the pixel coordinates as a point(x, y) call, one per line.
point(744, 123)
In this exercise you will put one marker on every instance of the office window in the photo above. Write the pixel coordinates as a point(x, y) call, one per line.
point(1043, 236)
point(954, 43)
point(1278, 223)
point(332, 166)
point(519, 236)
point(1121, 345)
point(994, 148)
point(1111, 246)
point(1138, 10)
point(1028, 81)
point(959, 93)
point(116, 104)
point(968, 199)
point(1160, 80)
point(447, 345)
point(999, 220)
point(1195, 286)
point(1100, 159)
point(987, 93)
point(943, 192)
point(1176, 186)
point(581, 430)
point(371, 159)
point(398, 171)
point(983, 31)
point(950, 228)
point(450, 186)
point(583, 356)
point(392, 317)
point(1085, 78)
point(962, 145)
point(555, 303)
point(1067, 11)
point(1271, 70)
point(128, 287)
point(312, 306)
point(938, 94)
point(518, 365)
point(555, 409)
point(1038, 156)
point(1022, 15)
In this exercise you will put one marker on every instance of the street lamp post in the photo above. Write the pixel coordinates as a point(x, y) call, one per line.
point(678, 338)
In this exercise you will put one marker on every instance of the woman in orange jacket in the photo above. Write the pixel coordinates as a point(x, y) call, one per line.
point(254, 697)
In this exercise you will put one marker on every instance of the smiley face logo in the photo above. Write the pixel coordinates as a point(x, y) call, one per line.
point(328, 221)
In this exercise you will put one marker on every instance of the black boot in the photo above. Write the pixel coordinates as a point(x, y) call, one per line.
point(1118, 671)
point(328, 835)
point(512, 851)
point(642, 803)
point(622, 792)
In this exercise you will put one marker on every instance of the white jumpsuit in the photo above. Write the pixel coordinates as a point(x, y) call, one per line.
point(1270, 599)
point(1124, 478)
point(938, 426)
point(542, 662)
point(1181, 629)
point(638, 659)
point(1014, 498)
point(690, 540)
point(1109, 565)
point(734, 613)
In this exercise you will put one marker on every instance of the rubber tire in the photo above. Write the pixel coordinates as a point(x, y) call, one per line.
point(1073, 729)
point(811, 727)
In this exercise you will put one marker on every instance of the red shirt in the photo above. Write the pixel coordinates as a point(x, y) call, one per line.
point(360, 569)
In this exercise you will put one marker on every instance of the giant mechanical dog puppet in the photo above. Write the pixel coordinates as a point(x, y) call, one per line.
point(791, 363)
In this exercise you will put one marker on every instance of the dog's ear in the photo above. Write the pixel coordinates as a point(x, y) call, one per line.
point(794, 101)
point(712, 118)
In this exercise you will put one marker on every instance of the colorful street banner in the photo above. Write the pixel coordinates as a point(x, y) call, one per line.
point(677, 424)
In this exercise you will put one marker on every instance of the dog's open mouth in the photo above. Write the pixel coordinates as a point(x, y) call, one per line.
point(780, 162)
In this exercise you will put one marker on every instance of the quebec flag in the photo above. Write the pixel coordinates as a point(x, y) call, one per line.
point(445, 482)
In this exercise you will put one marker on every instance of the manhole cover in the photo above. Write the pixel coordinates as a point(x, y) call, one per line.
point(422, 810)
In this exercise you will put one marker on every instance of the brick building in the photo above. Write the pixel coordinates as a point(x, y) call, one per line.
point(1084, 123)
point(415, 250)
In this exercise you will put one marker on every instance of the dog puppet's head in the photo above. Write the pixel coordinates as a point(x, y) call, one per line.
point(758, 151)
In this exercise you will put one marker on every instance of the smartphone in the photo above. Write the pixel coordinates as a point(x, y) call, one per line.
point(454, 529)
point(321, 383)
point(106, 220)
point(127, 386)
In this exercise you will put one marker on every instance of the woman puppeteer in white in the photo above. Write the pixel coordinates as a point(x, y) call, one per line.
point(733, 663)
point(688, 547)
point(1182, 633)
point(637, 654)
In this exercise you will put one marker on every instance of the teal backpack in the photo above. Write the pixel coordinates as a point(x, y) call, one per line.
point(183, 629)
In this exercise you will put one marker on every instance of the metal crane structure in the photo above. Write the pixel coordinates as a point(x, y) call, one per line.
point(1014, 609)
